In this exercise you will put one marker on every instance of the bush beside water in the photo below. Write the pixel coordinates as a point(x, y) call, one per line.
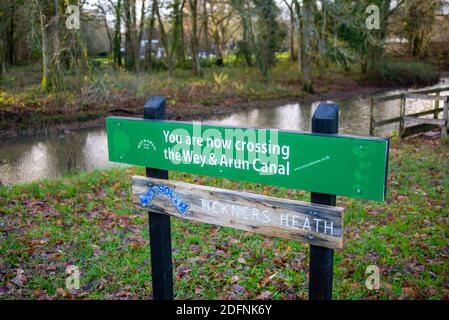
point(404, 73)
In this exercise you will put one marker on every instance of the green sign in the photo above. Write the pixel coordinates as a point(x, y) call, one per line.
point(333, 164)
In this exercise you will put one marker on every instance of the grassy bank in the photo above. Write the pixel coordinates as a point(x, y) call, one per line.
point(88, 220)
point(25, 109)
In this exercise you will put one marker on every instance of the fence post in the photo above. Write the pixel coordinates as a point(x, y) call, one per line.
point(446, 119)
point(160, 236)
point(371, 116)
point(402, 114)
point(321, 265)
point(437, 106)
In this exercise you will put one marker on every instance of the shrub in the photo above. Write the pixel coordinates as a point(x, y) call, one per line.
point(404, 73)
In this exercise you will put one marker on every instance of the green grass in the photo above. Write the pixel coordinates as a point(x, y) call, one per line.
point(87, 220)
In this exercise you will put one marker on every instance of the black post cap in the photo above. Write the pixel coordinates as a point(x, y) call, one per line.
point(154, 108)
point(325, 118)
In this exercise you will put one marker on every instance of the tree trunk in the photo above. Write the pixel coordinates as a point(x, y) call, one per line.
point(245, 46)
point(257, 49)
point(299, 25)
point(177, 31)
point(108, 32)
point(44, 45)
point(194, 41)
point(206, 28)
point(3, 69)
point(140, 35)
point(167, 52)
point(376, 48)
point(307, 48)
point(323, 36)
point(292, 36)
point(182, 54)
point(292, 29)
point(10, 48)
point(130, 46)
point(56, 48)
point(134, 45)
point(149, 53)
point(118, 34)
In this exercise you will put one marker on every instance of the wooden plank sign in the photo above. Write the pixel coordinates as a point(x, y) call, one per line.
point(324, 163)
point(307, 222)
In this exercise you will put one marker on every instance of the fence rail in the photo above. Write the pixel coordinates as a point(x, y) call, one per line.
point(403, 117)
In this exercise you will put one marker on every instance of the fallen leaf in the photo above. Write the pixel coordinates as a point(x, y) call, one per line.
point(3, 289)
point(237, 288)
point(241, 260)
point(20, 279)
point(183, 271)
point(195, 248)
point(61, 292)
point(266, 295)
point(234, 279)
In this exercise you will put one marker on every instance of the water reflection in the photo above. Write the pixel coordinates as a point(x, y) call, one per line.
point(33, 158)
point(354, 115)
point(289, 116)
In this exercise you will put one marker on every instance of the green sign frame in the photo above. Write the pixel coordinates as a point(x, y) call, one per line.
point(325, 163)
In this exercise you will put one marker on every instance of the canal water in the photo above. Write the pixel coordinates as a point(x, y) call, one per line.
point(38, 157)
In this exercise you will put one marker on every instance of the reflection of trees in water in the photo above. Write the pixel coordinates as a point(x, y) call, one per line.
point(11, 151)
point(28, 161)
point(270, 117)
point(354, 116)
point(32, 158)
point(21, 160)
point(71, 151)
point(67, 149)
point(292, 116)
point(305, 116)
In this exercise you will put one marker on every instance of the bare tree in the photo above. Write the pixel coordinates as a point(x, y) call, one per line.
point(419, 20)
point(224, 25)
point(307, 13)
point(194, 38)
point(291, 9)
point(104, 11)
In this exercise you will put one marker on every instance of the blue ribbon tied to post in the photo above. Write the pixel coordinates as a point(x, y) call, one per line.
point(154, 189)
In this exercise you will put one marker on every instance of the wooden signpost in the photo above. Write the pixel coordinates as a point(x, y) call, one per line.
point(315, 224)
point(322, 162)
